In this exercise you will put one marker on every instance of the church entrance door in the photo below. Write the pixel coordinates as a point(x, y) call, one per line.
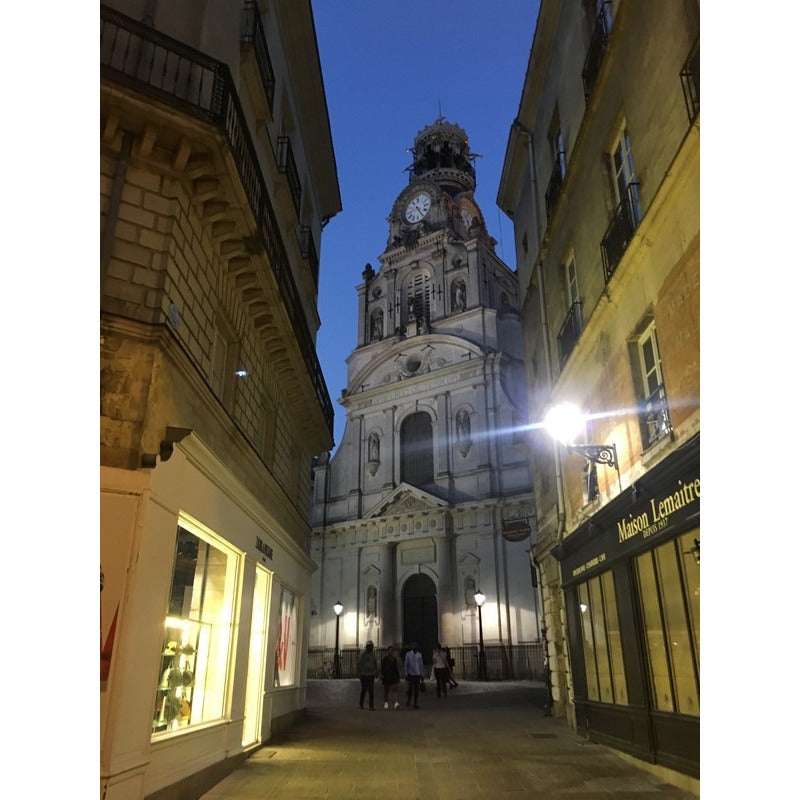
point(420, 615)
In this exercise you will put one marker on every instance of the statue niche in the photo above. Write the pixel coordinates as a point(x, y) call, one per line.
point(458, 296)
point(463, 432)
point(373, 453)
point(376, 326)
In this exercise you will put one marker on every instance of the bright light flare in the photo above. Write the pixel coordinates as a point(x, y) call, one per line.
point(564, 421)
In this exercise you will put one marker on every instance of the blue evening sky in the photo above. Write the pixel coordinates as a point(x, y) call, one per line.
point(389, 68)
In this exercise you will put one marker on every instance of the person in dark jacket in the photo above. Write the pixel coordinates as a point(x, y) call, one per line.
point(367, 671)
point(390, 677)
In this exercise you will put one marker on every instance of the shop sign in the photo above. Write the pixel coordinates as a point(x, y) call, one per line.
point(658, 514)
point(263, 547)
point(515, 530)
point(669, 505)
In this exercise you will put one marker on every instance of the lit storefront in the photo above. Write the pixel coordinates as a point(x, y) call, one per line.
point(631, 579)
point(202, 633)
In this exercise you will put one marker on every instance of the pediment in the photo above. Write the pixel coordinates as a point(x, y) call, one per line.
point(406, 499)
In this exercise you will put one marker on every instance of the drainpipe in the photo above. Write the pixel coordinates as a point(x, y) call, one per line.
point(562, 516)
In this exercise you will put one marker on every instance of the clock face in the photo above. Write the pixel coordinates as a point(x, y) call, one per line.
point(418, 207)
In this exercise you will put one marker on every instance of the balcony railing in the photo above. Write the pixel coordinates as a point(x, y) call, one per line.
point(140, 58)
point(654, 420)
point(597, 46)
point(253, 35)
point(309, 251)
point(619, 233)
point(570, 333)
point(554, 186)
point(690, 80)
point(288, 166)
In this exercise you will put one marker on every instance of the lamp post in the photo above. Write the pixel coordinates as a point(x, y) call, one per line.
point(337, 609)
point(480, 599)
point(563, 423)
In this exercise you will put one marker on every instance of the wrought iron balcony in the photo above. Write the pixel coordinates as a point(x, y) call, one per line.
point(570, 333)
point(288, 166)
point(140, 58)
point(309, 251)
point(654, 420)
point(253, 35)
point(690, 80)
point(619, 233)
point(597, 46)
point(554, 186)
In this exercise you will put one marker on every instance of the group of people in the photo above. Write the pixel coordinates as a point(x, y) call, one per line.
point(413, 669)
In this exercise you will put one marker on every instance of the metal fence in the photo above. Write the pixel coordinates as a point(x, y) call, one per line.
point(503, 662)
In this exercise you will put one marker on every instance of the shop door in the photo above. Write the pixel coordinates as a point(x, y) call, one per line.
point(420, 615)
point(257, 660)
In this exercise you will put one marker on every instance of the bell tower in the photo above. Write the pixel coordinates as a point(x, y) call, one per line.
point(434, 395)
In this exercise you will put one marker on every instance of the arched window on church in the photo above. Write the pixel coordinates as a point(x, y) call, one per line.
point(418, 298)
point(416, 449)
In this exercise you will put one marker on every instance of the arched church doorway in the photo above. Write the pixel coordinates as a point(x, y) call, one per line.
point(420, 614)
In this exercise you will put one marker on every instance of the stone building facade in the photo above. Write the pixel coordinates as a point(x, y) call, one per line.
point(217, 174)
point(428, 497)
point(601, 179)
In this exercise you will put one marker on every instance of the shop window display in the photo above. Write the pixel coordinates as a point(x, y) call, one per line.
point(286, 647)
point(669, 585)
point(602, 647)
point(197, 632)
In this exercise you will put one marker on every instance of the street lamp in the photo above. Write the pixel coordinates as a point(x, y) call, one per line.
point(563, 422)
point(480, 599)
point(337, 609)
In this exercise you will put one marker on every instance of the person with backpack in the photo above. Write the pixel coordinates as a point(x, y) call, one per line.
point(367, 672)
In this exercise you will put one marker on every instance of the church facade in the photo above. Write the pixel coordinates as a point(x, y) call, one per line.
point(428, 497)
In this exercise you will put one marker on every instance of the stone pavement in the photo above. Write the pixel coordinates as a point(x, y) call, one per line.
point(487, 740)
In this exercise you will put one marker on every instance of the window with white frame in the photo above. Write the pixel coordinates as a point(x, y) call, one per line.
point(653, 409)
point(571, 276)
point(624, 183)
point(573, 323)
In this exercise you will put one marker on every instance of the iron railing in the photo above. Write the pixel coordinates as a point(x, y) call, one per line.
point(570, 333)
point(597, 46)
point(690, 80)
point(309, 251)
point(514, 662)
point(618, 235)
point(554, 186)
point(654, 419)
point(288, 166)
point(140, 58)
point(253, 35)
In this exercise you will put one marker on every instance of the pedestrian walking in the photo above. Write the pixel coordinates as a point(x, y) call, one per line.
point(367, 670)
point(440, 670)
point(412, 666)
point(451, 665)
point(390, 677)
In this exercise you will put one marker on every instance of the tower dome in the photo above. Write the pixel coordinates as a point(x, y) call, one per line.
point(441, 153)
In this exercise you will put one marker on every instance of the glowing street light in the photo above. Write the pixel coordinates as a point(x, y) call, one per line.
point(480, 599)
point(564, 422)
point(337, 609)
